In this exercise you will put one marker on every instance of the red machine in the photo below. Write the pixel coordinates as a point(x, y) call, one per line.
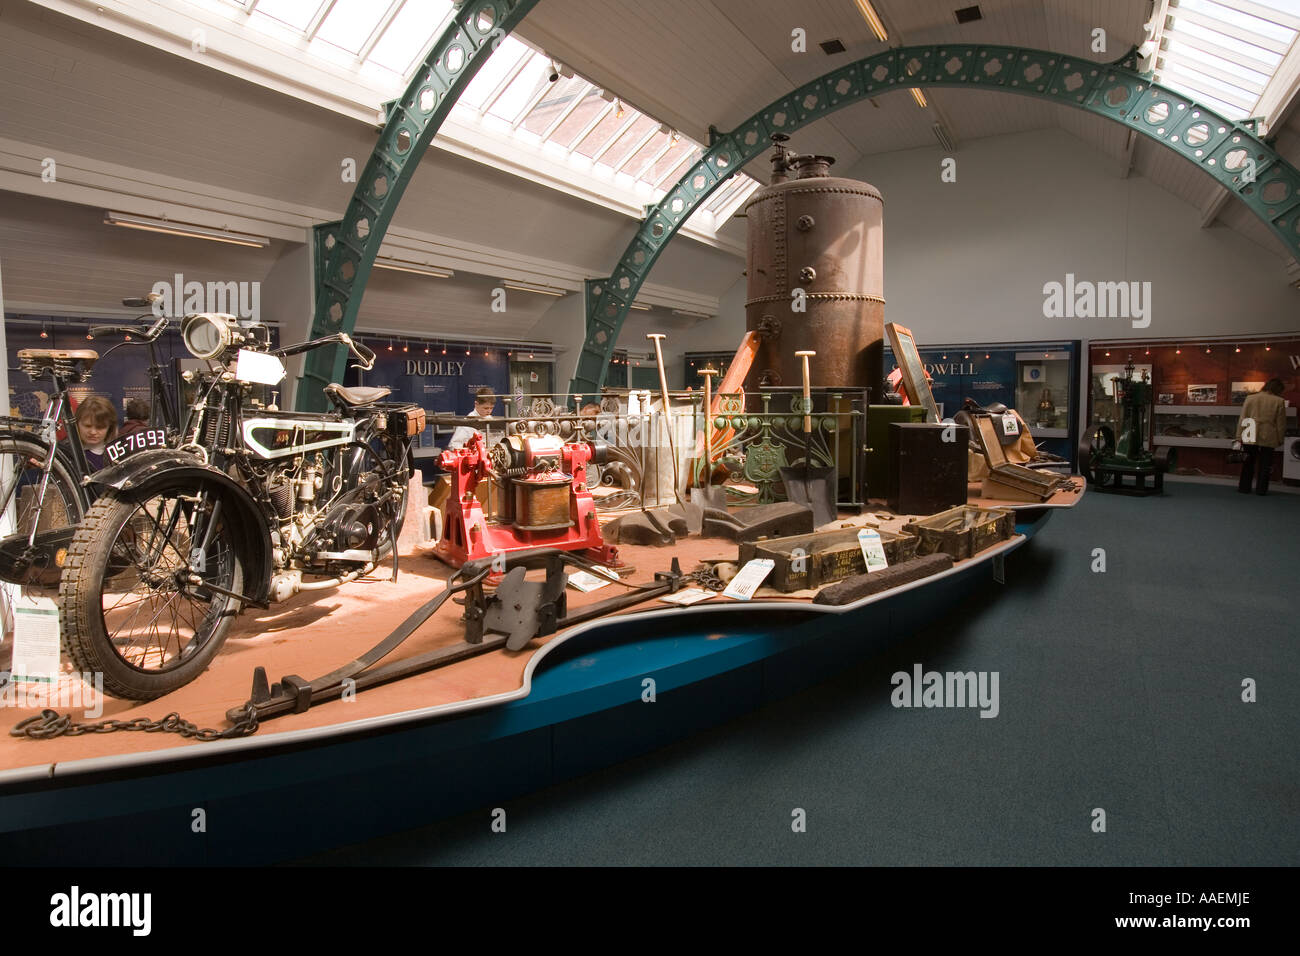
point(545, 501)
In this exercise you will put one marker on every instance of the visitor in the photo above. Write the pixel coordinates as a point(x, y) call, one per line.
point(96, 426)
point(137, 417)
point(1268, 411)
point(485, 404)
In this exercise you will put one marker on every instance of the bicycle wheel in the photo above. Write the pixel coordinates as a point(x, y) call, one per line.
point(139, 598)
point(25, 508)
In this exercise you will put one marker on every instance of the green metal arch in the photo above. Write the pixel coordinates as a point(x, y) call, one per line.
point(345, 251)
point(1221, 148)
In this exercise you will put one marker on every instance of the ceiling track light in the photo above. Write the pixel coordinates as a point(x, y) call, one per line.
point(166, 227)
point(919, 97)
point(539, 289)
point(941, 134)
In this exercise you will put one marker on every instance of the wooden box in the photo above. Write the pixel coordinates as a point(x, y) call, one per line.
point(1007, 480)
point(962, 532)
point(829, 556)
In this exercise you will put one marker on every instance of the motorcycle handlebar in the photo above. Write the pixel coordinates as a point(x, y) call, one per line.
point(145, 336)
point(365, 357)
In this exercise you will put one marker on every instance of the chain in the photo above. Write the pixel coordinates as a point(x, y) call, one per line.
point(49, 724)
point(703, 575)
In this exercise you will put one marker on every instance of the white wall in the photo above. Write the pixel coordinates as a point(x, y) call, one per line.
point(967, 261)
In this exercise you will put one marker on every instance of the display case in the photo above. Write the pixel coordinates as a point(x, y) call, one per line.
point(1197, 387)
point(1020, 375)
point(1043, 392)
point(1200, 426)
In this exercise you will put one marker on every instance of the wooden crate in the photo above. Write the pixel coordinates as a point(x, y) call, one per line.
point(829, 556)
point(962, 531)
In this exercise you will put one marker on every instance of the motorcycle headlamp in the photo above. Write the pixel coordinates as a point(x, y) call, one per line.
point(209, 334)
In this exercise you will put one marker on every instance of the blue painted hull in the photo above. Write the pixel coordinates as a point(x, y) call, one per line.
point(281, 796)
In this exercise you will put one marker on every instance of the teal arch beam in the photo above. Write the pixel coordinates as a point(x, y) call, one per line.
point(345, 251)
point(1227, 151)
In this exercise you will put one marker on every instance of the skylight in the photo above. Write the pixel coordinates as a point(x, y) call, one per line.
point(1224, 53)
point(570, 119)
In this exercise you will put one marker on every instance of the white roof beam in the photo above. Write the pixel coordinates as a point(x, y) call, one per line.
point(1227, 29)
point(377, 33)
point(322, 12)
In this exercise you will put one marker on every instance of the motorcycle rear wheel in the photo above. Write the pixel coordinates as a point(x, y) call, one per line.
point(130, 605)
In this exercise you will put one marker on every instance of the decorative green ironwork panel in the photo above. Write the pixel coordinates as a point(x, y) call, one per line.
point(1230, 152)
point(346, 250)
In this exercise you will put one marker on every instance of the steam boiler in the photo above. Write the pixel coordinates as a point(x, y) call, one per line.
point(815, 267)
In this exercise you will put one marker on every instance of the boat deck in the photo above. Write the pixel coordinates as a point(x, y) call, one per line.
point(315, 633)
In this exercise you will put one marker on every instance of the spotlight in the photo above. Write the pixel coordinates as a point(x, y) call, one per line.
point(530, 354)
point(485, 353)
point(390, 346)
point(945, 358)
point(986, 354)
point(1237, 349)
point(1207, 350)
point(444, 348)
point(1268, 348)
point(44, 333)
point(1178, 351)
point(127, 337)
point(618, 109)
point(405, 347)
point(1107, 355)
point(426, 350)
point(467, 350)
point(967, 355)
point(555, 72)
point(91, 338)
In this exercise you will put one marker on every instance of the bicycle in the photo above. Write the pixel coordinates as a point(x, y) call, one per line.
point(44, 493)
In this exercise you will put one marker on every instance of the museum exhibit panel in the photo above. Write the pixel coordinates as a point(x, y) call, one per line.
point(452, 379)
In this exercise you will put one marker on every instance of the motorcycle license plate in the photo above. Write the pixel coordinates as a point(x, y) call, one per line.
point(117, 450)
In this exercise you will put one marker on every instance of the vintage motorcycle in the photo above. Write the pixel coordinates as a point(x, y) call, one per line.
point(253, 505)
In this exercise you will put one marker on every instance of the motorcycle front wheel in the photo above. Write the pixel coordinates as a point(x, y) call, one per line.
point(141, 598)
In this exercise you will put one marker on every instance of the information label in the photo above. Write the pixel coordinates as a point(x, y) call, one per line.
point(873, 550)
point(1010, 424)
point(687, 596)
point(747, 581)
point(585, 581)
point(36, 640)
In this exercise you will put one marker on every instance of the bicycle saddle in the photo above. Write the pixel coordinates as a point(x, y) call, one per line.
point(357, 395)
point(75, 364)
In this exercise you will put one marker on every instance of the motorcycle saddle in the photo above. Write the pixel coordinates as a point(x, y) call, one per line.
point(357, 395)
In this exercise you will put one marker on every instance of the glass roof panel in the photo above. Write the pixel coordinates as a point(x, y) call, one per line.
point(1224, 53)
point(669, 161)
point(295, 13)
point(623, 146)
point(523, 89)
point(634, 164)
point(563, 94)
point(409, 35)
point(496, 69)
point(349, 23)
point(613, 121)
point(582, 116)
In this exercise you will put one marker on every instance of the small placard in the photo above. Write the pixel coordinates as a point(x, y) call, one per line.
point(873, 550)
point(585, 581)
point(687, 596)
point(1010, 425)
point(258, 368)
point(748, 579)
point(36, 640)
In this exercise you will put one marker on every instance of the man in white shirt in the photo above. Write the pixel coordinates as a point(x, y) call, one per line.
point(484, 406)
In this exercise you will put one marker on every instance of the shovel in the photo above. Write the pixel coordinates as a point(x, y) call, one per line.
point(705, 493)
point(814, 487)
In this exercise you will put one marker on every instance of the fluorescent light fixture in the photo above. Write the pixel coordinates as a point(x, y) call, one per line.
point(398, 265)
point(873, 19)
point(539, 289)
point(695, 315)
point(919, 97)
point(184, 229)
point(640, 307)
point(944, 139)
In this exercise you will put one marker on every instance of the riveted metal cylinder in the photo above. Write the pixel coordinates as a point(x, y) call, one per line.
point(815, 266)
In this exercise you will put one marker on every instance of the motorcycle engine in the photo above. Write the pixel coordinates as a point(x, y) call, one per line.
point(354, 526)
